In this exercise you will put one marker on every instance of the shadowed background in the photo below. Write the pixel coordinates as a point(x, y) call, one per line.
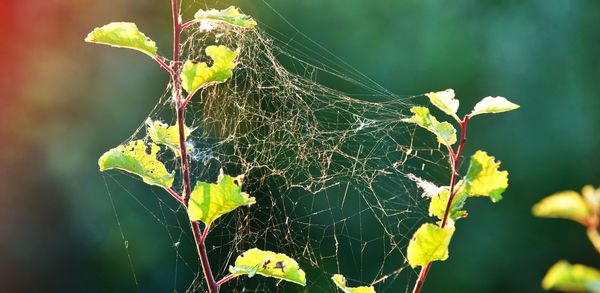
point(65, 102)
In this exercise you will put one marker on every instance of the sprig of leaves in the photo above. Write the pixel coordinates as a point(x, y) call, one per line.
point(483, 178)
point(208, 201)
point(583, 208)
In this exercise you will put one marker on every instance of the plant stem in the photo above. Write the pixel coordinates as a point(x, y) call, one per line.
point(188, 23)
point(226, 279)
point(175, 195)
point(200, 245)
point(164, 65)
point(199, 236)
point(454, 163)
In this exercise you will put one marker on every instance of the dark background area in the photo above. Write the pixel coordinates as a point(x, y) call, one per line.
point(65, 102)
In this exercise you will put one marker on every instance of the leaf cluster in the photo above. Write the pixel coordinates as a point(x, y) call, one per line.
point(584, 208)
point(483, 178)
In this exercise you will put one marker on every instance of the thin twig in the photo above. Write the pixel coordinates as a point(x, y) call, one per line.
point(164, 65)
point(175, 195)
point(176, 91)
point(226, 279)
point(454, 164)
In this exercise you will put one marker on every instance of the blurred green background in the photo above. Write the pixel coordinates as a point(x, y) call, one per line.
point(65, 102)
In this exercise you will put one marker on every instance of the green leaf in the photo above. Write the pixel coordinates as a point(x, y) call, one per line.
point(483, 177)
point(135, 159)
point(230, 15)
point(429, 243)
point(209, 201)
point(566, 277)
point(566, 205)
point(161, 133)
point(268, 264)
point(493, 105)
point(437, 206)
point(123, 35)
point(197, 75)
point(340, 282)
point(445, 132)
point(445, 101)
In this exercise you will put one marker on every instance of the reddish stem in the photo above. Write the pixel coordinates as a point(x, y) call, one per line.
point(188, 23)
point(454, 163)
point(200, 245)
point(205, 233)
point(187, 100)
point(175, 195)
point(226, 279)
point(199, 236)
point(164, 65)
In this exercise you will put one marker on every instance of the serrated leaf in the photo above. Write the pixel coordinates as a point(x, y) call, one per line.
point(123, 35)
point(567, 277)
point(566, 204)
point(493, 105)
point(445, 101)
point(268, 264)
point(230, 15)
point(197, 75)
point(483, 177)
point(445, 132)
point(209, 201)
point(135, 159)
point(161, 133)
point(437, 206)
point(340, 282)
point(429, 243)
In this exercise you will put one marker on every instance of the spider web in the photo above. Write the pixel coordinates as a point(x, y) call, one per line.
point(331, 171)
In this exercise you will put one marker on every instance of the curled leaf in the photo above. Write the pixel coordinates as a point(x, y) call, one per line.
point(340, 282)
point(209, 201)
point(567, 277)
point(493, 105)
point(123, 35)
point(445, 132)
point(566, 205)
point(268, 264)
point(483, 177)
point(197, 75)
point(230, 15)
point(445, 101)
point(429, 243)
point(164, 134)
point(135, 159)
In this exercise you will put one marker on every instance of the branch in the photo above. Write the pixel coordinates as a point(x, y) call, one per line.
point(454, 163)
point(187, 100)
point(185, 171)
point(226, 279)
point(175, 195)
point(164, 65)
point(188, 23)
